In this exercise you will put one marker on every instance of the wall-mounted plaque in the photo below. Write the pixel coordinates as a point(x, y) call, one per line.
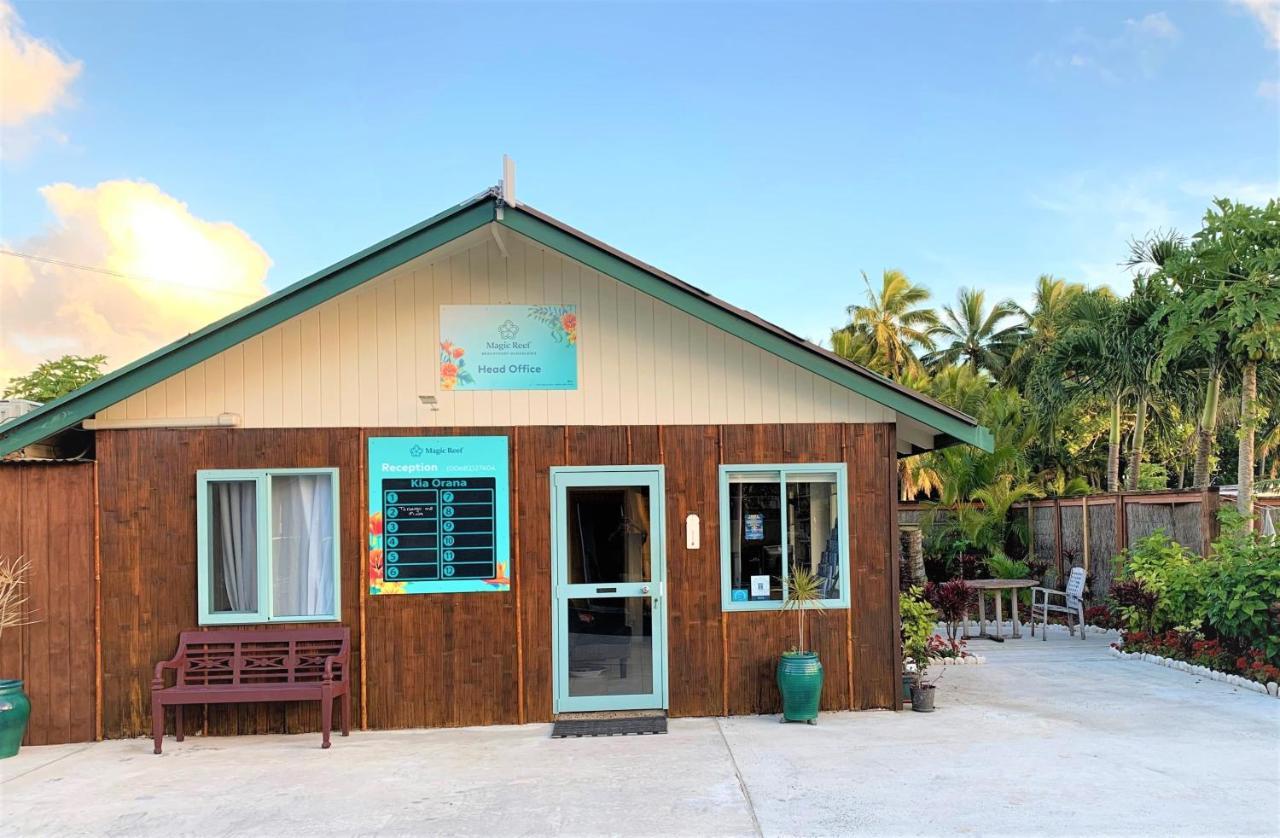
point(438, 514)
point(509, 347)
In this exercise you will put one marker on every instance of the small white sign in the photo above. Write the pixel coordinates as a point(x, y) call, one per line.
point(692, 532)
point(759, 587)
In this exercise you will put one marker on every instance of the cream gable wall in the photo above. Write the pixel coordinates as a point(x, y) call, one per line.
point(364, 357)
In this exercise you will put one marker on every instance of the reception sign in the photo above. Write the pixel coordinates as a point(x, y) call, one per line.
point(509, 347)
point(439, 519)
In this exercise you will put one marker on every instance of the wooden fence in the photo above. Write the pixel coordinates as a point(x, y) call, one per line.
point(1062, 534)
point(47, 514)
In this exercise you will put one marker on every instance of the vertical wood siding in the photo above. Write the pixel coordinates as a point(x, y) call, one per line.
point(364, 357)
point(46, 515)
point(471, 659)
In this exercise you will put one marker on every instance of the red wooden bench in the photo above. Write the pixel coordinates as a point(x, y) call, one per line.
point(232, 667)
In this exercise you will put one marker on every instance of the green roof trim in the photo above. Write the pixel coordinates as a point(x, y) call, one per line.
point(305, 294)
point(952, 426)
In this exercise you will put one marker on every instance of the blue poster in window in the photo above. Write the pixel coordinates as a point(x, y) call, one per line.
point(439, 514)
point(754, 526)
point(509, 347)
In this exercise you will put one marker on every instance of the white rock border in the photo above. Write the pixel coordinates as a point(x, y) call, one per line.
point(969, 660)
point(1270, 688)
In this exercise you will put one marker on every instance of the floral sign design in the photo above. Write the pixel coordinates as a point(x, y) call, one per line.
point(509, 347)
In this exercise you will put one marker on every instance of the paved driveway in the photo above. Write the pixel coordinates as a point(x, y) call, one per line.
point(1054, 737)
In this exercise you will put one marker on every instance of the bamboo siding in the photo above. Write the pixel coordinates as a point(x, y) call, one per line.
point(365, 357)
point(473, 659)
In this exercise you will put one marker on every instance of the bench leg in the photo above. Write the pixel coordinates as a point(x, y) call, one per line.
point(326, 717)
point(157, 723)
point(346, 713)
point(177, 722)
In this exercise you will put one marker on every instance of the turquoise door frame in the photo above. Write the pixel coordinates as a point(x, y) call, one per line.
point(654, 589)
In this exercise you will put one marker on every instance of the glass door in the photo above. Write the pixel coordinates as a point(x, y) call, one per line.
point(608, 580)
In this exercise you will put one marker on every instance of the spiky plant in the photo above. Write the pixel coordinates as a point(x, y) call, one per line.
point(12, 595)
point(804, 594)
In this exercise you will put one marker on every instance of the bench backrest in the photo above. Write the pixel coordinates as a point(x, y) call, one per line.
point(252, 657)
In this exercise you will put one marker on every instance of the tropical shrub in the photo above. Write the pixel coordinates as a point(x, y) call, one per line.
point(917, 618)
point(1136, 603)
point(1174, 575)
point(953, 600)
point(1242, 592)
point(1103, 617)
point(940, 647)
point(1001, 566)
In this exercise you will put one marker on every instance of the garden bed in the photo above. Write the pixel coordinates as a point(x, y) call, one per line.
point(1271, 688)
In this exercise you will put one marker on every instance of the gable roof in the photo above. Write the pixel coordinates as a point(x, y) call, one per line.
point(951, 426)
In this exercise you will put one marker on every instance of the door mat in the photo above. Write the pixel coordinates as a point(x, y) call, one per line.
point(616, 726)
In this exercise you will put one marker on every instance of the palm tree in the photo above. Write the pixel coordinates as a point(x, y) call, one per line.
point(885, 333)
point(976, 335)
point(1049, 317)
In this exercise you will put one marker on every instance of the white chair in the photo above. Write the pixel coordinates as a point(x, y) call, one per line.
point(1074, 604)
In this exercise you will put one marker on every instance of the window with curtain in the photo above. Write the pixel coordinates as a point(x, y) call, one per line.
point(776, 518)
point(268, 545)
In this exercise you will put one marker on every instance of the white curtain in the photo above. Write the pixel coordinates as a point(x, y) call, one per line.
point(302, 545)
point(236, 545)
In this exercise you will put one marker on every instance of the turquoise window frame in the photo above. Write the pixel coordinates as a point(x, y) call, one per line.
point(262, 495)
point(841, 472)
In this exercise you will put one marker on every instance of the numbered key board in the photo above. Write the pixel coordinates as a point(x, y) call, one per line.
point(439, 517)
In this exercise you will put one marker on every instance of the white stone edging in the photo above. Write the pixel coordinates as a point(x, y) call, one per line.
point(970, 659)
point(1270, 688)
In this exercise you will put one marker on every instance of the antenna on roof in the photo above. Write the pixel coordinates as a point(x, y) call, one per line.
point(508, 181)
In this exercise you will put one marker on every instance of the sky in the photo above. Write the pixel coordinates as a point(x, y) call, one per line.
point(206, 154)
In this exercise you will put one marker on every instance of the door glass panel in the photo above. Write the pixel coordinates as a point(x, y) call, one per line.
point(813, 532)
point(608, 534)
point(755, 537)
point(610, 646)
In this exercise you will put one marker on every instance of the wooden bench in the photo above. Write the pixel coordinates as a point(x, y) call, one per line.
point(234, 667)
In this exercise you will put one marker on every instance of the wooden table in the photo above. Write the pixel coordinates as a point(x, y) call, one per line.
point(996, 586)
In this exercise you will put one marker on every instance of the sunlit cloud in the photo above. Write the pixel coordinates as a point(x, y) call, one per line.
point(35, 81)
point(164, 272)
point(1268, 14)
point(1140, 46)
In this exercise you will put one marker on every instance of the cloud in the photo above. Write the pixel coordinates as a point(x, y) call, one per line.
point(1091, 216)
point(171, 273)
point(1268, 14)
point(1139, 48)
point(1237, 190)
point(1269, 89)
point(34, 78)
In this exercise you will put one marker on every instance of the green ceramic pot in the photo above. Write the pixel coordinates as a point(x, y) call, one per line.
point(800, 682)
point(15, 709)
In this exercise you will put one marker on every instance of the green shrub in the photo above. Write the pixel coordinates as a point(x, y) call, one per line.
point(1176, 577)
point(1001, 566)
point(1242, 591)
point(917, 618)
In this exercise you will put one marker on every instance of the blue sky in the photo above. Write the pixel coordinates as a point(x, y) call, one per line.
point(765, 152)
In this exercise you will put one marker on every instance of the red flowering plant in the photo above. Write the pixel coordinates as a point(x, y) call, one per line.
point(952, 600)
point(940, 647)
point(1255, 666)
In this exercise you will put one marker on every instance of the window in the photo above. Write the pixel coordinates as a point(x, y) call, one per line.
point(267, 546)
point(774, 518)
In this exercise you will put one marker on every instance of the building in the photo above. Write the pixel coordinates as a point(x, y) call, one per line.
point(532, 473)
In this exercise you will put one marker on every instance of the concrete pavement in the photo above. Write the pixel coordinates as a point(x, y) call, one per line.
point(1055, 737)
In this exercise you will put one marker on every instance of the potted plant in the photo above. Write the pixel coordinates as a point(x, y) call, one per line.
point(799, 670)
point(15, 709)
point(922, 693)
point(917, 617)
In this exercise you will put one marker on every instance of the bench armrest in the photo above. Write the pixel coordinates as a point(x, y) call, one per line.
point(338, 662)
point(1047, 591)
point(175, 662)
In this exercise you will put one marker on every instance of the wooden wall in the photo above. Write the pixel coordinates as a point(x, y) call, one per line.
point(363, 358)
point(46, 515)
point(471, 659)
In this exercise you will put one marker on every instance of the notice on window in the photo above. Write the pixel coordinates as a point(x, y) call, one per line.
point(754, 526)
point(439, 519)
point(509, 347)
